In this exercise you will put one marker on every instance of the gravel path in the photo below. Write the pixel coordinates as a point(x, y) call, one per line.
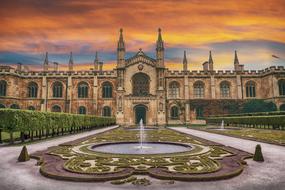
point(257, 176)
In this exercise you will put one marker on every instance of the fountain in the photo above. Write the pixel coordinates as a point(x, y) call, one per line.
point(141, 133)
point(141, 147)
point(222, 125)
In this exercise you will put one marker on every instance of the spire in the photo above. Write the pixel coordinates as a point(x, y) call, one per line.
point(96, 62)
point(121, 43)
point(46, 62)
point(70, 64)
point(211, 63)
point(159, 42)
point(236, 61)
point(184, 62)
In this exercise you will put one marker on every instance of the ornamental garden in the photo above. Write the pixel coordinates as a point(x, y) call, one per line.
point(116, 157)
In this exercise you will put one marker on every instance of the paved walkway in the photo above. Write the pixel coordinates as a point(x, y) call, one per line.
point(257, 176)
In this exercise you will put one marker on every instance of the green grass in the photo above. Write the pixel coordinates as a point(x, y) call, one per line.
point(271, 136)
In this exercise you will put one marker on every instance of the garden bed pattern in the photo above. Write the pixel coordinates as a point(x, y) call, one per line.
point(74, 161)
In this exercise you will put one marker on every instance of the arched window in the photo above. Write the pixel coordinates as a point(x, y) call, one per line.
point(107, 90)
point(2, 106)
point(3, 88)
point(82, 110)
point(57, 89)
point(140, 84)
point(174, 89)
point(282, 107)
point(32, 90)
point(106, 111)
point(250, 89)
point(56, 108)
point(225, 89)
point(199, 89)
point(281, 84)
point(174, 112)
point(31, 108)
point(82, 90)
point(15, 106)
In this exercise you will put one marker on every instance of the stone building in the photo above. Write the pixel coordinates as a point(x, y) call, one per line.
point(140, 87)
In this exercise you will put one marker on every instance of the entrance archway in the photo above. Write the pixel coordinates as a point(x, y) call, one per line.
point(140, 113)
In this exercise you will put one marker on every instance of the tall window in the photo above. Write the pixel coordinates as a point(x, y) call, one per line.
point(15, 106)
point(3, 88)
point(225, 89)
point(174, 112)
point(57, 90)
point(199, 112)
point(199, 89)
point(2, 106)
point(107, 90)
point(106, 111)
point(56, 108)
point(32, 90)
point(250, 89)
point(31, 108)
point(140, 84)
point(83, 90)
point(174, 89)
point(281, 84)
point(82, 110)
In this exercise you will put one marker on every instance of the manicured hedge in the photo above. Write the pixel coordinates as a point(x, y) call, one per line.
point(271, 121)
point(47, 123)
point(251, 114)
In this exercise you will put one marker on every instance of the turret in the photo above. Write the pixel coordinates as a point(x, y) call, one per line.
point(121, 50)
point(100, 66)
point(46, 62)
point(185, 67)
point(210, 62)
point(96, 62)
point(160, 49)
point(70, 64)
point(237, 66)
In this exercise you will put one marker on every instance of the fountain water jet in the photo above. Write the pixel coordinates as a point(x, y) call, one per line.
point(222, 125)
point(141, 133)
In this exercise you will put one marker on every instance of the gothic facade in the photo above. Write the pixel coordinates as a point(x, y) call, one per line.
point(140, 87)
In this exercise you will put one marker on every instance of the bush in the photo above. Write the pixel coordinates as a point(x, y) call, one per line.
point(272, 120)
point(258, 157)
point(24, 155)
point(12, 120)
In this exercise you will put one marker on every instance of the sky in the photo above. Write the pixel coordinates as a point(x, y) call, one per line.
point(255, 28)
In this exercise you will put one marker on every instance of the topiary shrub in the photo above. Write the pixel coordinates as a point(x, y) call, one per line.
point(258, 157)
point(24, 155)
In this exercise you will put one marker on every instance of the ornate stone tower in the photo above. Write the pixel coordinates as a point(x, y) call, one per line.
point(121, 51)
point(161, 116)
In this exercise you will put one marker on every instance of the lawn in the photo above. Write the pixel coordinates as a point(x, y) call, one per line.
point(270, 136)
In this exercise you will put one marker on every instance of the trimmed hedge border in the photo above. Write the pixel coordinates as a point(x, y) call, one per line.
point(251, 114)
point(266, 122)
point(34, 124)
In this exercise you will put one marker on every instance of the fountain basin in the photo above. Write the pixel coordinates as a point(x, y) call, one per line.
point(134, 148)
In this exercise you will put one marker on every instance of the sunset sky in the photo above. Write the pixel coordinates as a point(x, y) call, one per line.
point(255, 28)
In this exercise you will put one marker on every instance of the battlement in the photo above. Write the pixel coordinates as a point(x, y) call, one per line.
point(13, 71)
point(177, 73)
